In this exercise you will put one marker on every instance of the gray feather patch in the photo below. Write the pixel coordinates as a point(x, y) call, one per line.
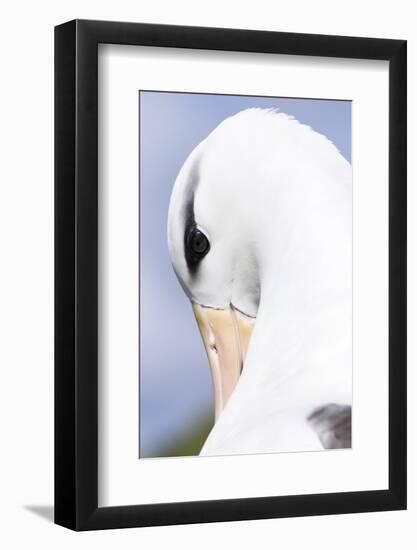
point(333, 425)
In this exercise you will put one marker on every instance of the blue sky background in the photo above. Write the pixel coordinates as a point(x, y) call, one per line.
point(175, 383)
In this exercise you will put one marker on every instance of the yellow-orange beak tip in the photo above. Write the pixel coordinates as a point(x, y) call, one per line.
point(226, 334)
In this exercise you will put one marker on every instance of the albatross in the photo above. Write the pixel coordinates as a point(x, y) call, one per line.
point(260, 238)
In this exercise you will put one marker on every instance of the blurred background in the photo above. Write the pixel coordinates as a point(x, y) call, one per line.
point(176, 405)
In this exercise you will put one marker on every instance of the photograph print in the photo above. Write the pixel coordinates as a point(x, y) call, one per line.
point(245, 274)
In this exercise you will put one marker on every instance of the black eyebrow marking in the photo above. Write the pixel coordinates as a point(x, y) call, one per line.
point(189, 218)
point(190, 224)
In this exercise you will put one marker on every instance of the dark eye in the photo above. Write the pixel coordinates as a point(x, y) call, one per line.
point(198, 244)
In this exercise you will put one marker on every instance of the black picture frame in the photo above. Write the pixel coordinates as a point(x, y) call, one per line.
point(76, 272)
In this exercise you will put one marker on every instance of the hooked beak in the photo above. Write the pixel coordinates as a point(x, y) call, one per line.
point(226, 334)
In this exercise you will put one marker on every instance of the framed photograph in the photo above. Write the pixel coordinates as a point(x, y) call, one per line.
point(230, 285)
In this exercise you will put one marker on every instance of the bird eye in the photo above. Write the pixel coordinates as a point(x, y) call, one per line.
point(198, 244)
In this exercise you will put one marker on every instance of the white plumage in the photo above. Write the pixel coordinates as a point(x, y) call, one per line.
point(274, 199)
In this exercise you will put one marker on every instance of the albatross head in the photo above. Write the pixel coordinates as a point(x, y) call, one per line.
point(241, 198)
